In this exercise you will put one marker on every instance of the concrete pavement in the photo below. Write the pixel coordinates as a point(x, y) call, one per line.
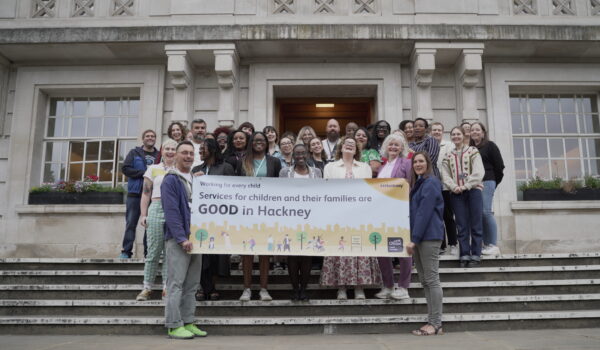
point(505, 340)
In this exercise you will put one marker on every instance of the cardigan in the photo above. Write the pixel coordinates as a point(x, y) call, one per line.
point(337, 170)
point(463, 168)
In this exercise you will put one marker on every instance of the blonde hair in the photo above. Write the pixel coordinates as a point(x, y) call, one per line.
point(301, 133)
point(394, 137)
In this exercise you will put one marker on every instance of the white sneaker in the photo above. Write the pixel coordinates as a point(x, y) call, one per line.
point(359, 293)
point(341, 294)
point(384, 293)
point(400, 293)
point(454, 250)
point(491, 250)
point(246, 295)
point(264, 295)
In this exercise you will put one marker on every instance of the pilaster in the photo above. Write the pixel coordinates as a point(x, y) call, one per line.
point(423, 66)
point(227, 69)
point(181, 73)
point(468, 71)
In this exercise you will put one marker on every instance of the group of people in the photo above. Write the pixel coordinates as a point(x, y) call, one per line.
point(452, 188)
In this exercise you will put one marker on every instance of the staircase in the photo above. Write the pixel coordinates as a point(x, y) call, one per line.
point(96, 296)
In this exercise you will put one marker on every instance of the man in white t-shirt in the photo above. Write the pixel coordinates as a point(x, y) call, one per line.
point(198, 129)
point(333, 135)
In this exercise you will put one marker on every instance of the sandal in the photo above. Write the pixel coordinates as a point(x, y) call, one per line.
point(200, 296)
point(422, 332)
point(213, 296)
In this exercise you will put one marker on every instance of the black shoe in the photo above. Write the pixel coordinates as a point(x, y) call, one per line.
point(302, 295)
point(464, 263)
point(474, 263)
point(295, 295)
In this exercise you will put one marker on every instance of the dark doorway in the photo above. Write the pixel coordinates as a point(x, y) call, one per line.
point(294, 113)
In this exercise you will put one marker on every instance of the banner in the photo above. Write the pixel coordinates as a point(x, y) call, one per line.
point(282, 216)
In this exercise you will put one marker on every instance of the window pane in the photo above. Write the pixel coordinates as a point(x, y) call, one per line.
point(542, 168)
point(79, 107)
point(76, 152)
point(111, 127)
point(108, 150)
point(106, 171)
point(554, 124)
point(91, 169)
point(123, 128)
point(594, 148)
point(75, 172)
point(51, 127)
point(132, 126)
point(515, 105)
point(113, 106)
point(517, 127)
point(55, 127)
point(520, 171)
point(587, 104)
point(595, 167)
point(527, 143)
point(535, 104)
point(539, 148)
point(570, 123)
point(558, 168)
point(49, 174)
point(54, 152)
point(574, 166)
point(49, 151)
point(57, 107)
point(556, 148)
point(77, 127)
point(124, 107)
point(552, 105)
point(96, 108)
point(572, 148)
point(538, 123)
point(567, 105)
point(518, 148)
point(92, 150)
point(94, 127)
point(134, 107)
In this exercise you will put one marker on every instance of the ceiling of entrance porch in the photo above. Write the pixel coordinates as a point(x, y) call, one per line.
point(295, 51)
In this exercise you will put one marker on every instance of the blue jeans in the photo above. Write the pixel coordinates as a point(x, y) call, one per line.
point(132, 216)
point(490, 230)
point(467, 210)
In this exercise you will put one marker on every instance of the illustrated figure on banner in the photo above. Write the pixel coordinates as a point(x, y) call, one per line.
point(227, 239)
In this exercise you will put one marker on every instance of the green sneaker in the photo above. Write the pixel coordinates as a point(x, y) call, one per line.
point(195, 330)
point(180, 333)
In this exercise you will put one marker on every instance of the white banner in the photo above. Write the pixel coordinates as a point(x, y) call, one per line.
point(281, 216)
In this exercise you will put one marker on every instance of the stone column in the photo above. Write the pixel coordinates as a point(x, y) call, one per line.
point(468, 71)
point(181, 73)
point(423, 66)
point(227, 68)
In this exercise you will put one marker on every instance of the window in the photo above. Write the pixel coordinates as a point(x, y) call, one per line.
point(89, 136)
point(555, 136)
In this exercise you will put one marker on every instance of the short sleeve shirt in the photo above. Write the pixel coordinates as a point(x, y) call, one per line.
point(156, 173)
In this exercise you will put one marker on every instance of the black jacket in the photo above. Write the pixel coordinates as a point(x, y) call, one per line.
point(492, 162)
point(273, 167)
point(222, 168)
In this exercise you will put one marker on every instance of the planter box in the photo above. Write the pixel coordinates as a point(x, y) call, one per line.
point(76, 198)
point(583, 194)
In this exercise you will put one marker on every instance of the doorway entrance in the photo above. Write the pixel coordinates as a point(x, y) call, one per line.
point(294, 113)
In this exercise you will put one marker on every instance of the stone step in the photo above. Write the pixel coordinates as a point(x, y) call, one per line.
point(453, 322)
point(281, 291)
point(281, 276)
point(445, 261)
point(320, 307)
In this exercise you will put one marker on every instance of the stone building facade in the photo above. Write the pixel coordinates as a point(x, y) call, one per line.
point(87, 76)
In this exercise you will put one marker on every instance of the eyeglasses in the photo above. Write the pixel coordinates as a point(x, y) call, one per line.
point(285, 144)
point(259, 141)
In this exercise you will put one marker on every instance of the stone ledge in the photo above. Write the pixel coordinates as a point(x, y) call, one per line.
point(195, 33)
point(70, 209)
point(555, 205)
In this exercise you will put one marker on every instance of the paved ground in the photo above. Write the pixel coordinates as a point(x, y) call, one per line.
point(505, 340)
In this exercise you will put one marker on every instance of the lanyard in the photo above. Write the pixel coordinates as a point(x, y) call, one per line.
point(259, 166)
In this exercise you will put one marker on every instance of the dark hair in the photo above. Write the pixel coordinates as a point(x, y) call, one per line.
point(290, 135)
point(459, 128)
point(428, 171)
point(374, 131)
point(423, 120)
point(230, 148)
point(184, 143)
point(147, 131)
point(181, 127)
point(210, 134)
point(247, 125)
point(222, 129)
point(305, 148)
point(248, 164)
point(323, 154)
point(271, 128)
point(466, 123)
point(340, 145)
point(403, 124)
point(484, 139)
point(370, 138)
point(197, 121)
point(212, 147)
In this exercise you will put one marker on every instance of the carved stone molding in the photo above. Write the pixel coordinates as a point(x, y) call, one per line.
point(122, 8)
point(595, 7)
point(563, 7)
point(179, 69)
point(470, 66)
point(364, 7)
point(284, 6)
point(324, 7)
point(226, 67)
point(83, 8)
point(525, 7)
point(424, 65)
point(43, 9)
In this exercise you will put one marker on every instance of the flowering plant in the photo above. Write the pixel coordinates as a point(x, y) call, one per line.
point(89, 184)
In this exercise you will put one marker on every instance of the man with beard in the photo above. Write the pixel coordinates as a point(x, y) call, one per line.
point(198, 134)
point(330, 143)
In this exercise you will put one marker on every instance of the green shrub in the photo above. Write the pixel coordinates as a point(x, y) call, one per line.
point(592, 182)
